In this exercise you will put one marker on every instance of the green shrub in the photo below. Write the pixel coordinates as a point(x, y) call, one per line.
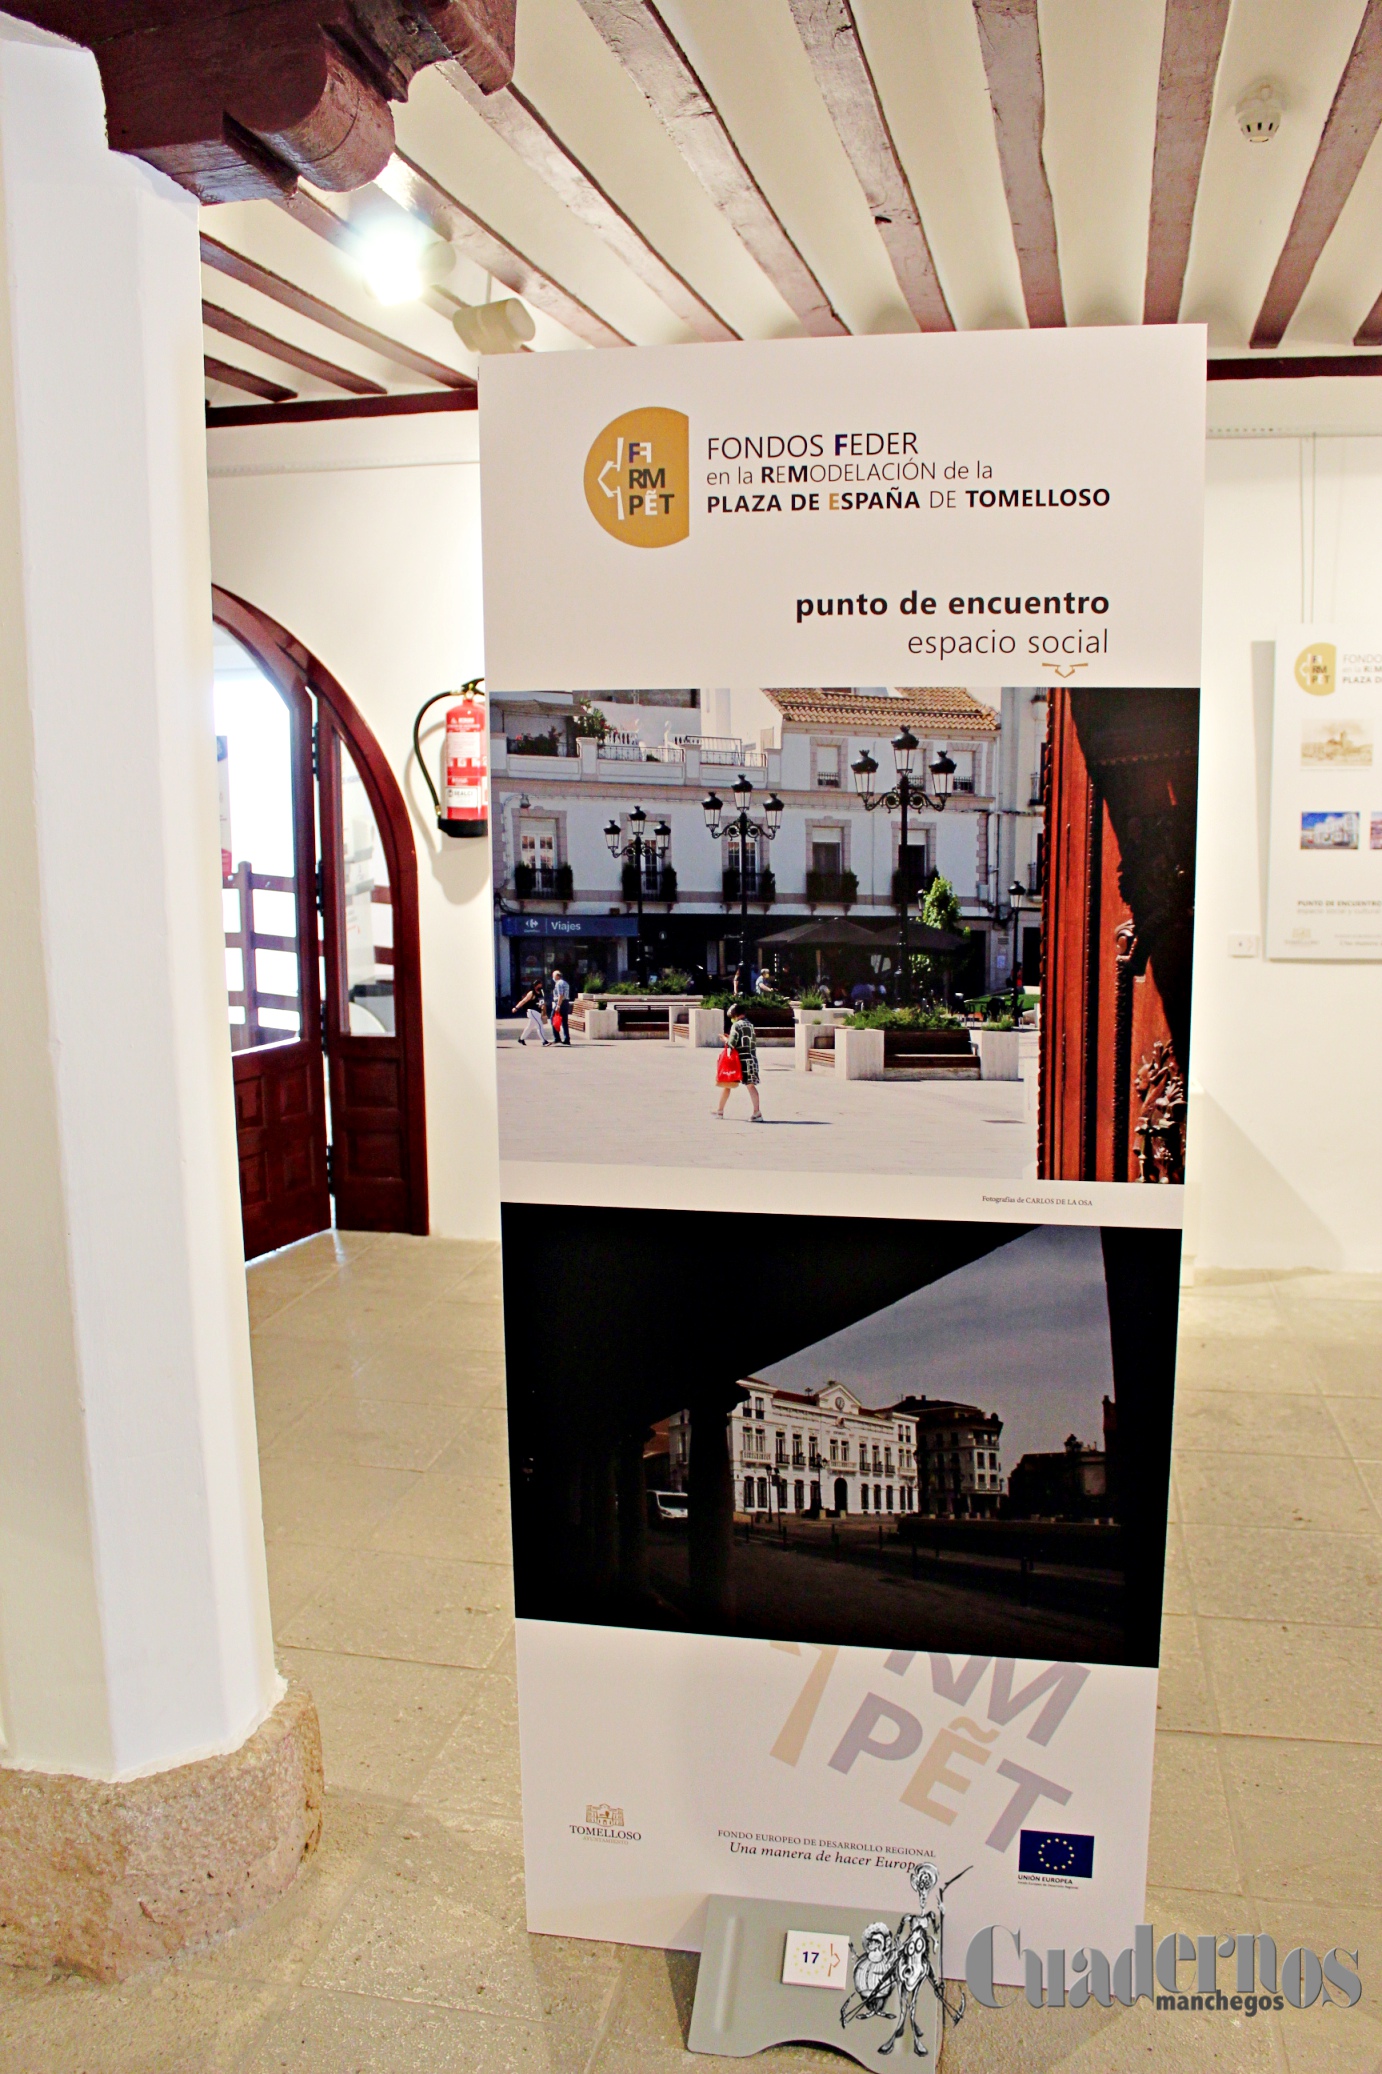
point(904, 1019)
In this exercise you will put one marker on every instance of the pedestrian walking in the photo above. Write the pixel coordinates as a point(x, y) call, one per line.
point(743, 1043)
point(561, 1009)
point(533, 1002)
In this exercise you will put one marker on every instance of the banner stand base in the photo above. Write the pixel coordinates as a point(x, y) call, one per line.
point(833, 1970)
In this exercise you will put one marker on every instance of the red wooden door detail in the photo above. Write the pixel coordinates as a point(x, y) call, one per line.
point(1119, 857)
point(378, 1163)
point(280, 1098)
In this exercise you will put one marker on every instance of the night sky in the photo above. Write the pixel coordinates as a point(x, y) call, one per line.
point(1023, 1332)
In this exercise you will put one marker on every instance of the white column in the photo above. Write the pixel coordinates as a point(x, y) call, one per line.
point(134, 1618)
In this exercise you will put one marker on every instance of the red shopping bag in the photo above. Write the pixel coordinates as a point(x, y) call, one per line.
point(729, 1072)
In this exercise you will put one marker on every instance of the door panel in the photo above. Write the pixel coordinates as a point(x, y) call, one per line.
point(367, 1039)
point(269, 891)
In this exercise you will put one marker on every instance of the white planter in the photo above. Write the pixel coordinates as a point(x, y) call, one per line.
point(997, 1049)
point(801, 1040)
point(706, 1026)
point(601, 1023)
point(859, 1054)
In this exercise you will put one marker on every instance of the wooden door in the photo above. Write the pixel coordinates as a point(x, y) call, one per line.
point(1119, 867)
point(372, 1027)
point(273, 987)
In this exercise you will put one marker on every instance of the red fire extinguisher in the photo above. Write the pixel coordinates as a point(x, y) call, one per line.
point(463, 803)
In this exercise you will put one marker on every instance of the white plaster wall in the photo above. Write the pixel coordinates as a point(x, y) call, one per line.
point(1286, 1117)
point(362, 539)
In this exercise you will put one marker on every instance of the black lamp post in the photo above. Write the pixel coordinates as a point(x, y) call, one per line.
point(638, 848)
point(910, 791)
point(1016, 893)
point(742, 825)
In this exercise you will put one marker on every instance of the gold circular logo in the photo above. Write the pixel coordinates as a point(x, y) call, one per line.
point(637, 478)
point(1315, 668)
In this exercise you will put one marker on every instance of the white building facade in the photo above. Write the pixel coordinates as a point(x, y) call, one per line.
point(561, 896)
point(820, 1451)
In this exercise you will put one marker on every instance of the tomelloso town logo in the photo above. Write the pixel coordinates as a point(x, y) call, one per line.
point(604, 1824)
point(638, 478)
point(1152, 1971)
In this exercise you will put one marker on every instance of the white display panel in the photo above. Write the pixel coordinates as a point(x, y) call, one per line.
point(991, 508)
point(1324, 887)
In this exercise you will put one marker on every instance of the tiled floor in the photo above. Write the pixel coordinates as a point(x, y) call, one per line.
point(402, 1949)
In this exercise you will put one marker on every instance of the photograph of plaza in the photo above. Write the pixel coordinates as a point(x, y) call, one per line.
point(873, 895)
point(887, 1433)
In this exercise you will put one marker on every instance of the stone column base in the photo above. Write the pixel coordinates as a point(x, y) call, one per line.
point(106, 1878)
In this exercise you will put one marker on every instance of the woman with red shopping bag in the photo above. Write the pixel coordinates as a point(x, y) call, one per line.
point(738, 1065)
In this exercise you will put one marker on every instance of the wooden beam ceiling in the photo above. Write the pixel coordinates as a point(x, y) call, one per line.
point(238, 104)
point(1010, 41)
point(247, 334)
point(514, 118)
point(252, 275)
point(841, 67)
point(649, 52)
point(1190, 46)
point(241, 378)
point(315, 408)
point(1349, 130)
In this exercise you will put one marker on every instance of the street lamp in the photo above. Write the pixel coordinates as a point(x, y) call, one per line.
point(1016, 894)
point(931, 791)
point(638, 850)
point(742, 825)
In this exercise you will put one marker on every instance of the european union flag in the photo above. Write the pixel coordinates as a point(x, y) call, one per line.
point(1041, 1850)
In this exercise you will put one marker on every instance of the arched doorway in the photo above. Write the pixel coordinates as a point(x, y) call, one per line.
point(841, 1495)
point(327, 1048)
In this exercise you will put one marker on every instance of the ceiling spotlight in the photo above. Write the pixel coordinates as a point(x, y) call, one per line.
point(400, 262)
point(1259, 113)
point(494, 327)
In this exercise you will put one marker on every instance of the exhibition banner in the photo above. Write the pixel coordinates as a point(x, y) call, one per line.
point(841, 1044)
point(969, 509)
point(1324, 881)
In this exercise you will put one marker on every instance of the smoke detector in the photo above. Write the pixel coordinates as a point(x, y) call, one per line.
point(1259, 113)
point(494, 327)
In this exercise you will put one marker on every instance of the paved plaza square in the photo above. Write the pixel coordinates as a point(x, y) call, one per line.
point(644, 1102)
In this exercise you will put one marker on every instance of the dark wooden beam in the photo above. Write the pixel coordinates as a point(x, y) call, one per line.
point(1345, 141)
point(514, 118)
point(238, 102)
point(252, 275)
point(1191, 41)
point(845, 78)
point(241, 378)
point(239, 328)
point(1293, 367)
point(648, 50)
point(1010, 40)
point(1369, 332)
point(316, 407)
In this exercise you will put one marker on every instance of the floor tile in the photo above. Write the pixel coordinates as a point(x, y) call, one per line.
point(1359, 1420)
point(432, 1375)
point(297, 1569)
point(1275, 1491)
point(1287, 1573)
point(337, 1503)
point(281, 1944)
point(1177, 1595)
point(439, 1919)
point(1253, 1422)
point(468, 1327)
point(475, 1774)
point(1308, 1818)
point(1191, 1838)
point(1355, 1322)
point(348, 1426)
point(326, 2031)
point(1183, 1700)
point(383, 1721)
point(462, 1517)
point(1349, 1368)
point(1280, 1364)
point(1280, 1678)
point(415, 1607)
point(165, 2022)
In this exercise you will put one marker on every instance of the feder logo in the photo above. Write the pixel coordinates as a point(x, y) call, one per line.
point(637, 478)
point(1315, 668)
